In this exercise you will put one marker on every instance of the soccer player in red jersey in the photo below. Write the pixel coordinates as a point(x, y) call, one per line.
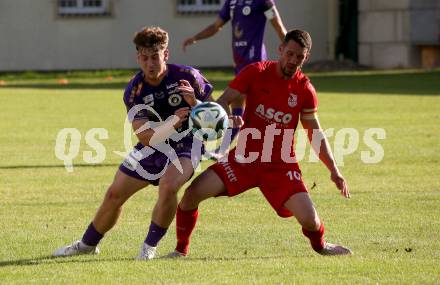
point(278, 96)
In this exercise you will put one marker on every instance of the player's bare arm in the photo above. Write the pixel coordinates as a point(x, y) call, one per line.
point(230, 95)
point(321, 146)
point(207, 32)
point(153, 136)
point(277, 23)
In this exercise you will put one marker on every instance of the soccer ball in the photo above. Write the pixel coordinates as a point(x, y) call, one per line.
point(208, 121)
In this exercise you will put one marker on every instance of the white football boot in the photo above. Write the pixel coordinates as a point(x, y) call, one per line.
point(335, 249)
point(147, 252)
point(76, 248)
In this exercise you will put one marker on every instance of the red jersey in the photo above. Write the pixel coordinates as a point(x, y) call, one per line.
point(273, 108)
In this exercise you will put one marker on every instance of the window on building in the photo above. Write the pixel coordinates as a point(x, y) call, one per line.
point(199, 6)
point(83, 7)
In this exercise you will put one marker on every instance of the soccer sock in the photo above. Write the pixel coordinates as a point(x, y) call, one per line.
point(155, 234)
point(91, 236)
point(185, 224)
point(236, 112)
point(316, 238)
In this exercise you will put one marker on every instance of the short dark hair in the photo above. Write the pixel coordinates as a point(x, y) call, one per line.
point(151, 38)
point(301, 37)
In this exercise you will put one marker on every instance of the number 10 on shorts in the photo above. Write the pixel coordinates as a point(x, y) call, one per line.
point(293, 174)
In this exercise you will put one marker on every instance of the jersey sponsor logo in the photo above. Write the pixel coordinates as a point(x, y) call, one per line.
point(174, 100)
point(271, 114)
point(240, 44)
point(149, 100)
point(246, 10)
point(292, 101)
point(172, 85)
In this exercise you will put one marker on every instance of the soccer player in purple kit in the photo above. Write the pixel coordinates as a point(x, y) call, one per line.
point(248, 20)
point(158, 101)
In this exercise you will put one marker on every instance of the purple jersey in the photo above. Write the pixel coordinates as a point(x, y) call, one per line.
point(248, 23)
point(164, 100)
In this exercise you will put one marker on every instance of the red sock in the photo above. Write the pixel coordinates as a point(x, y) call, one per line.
point(185, 224)
point(316, 238)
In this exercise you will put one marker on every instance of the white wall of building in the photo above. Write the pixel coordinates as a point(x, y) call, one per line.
point(392, 34)
point(34, 37)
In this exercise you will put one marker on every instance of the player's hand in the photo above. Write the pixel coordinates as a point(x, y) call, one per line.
point(183, 114)
point(339, 180)
point(187, 91)
point(187, 42)
point(235, 122)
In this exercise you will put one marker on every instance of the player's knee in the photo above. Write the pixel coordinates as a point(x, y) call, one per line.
point(168, 187)
point(191, 198)
point(114, 197)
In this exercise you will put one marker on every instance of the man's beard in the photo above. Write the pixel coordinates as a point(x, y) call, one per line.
point(289, 72)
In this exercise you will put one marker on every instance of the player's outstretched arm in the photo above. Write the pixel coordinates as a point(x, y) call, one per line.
point(322, 148)
point(207, 32)
point(149, 135)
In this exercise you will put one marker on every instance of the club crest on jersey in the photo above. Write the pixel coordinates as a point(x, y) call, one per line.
point(246, 10)
point(174, 100)
point(293, 100)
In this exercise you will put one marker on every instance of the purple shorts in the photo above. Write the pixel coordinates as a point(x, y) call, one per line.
point(154, 164)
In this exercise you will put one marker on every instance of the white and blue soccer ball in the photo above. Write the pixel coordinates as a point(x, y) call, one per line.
point(208, 121)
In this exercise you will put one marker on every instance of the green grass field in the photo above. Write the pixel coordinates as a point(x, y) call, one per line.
point(391, 222)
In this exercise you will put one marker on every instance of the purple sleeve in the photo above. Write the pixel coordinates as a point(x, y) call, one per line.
point(202, 87)
point(225, 12)
point(131, 94)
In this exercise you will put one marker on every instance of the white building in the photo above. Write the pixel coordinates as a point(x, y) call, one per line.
point(97, 34)
point(399, 33)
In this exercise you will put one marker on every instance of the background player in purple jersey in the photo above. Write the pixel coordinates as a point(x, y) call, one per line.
point(158, 100)
point(248, 20)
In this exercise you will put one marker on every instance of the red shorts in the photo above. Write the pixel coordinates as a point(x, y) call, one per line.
point(277, 181)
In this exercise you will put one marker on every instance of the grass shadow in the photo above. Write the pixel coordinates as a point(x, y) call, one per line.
point(49, 259)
